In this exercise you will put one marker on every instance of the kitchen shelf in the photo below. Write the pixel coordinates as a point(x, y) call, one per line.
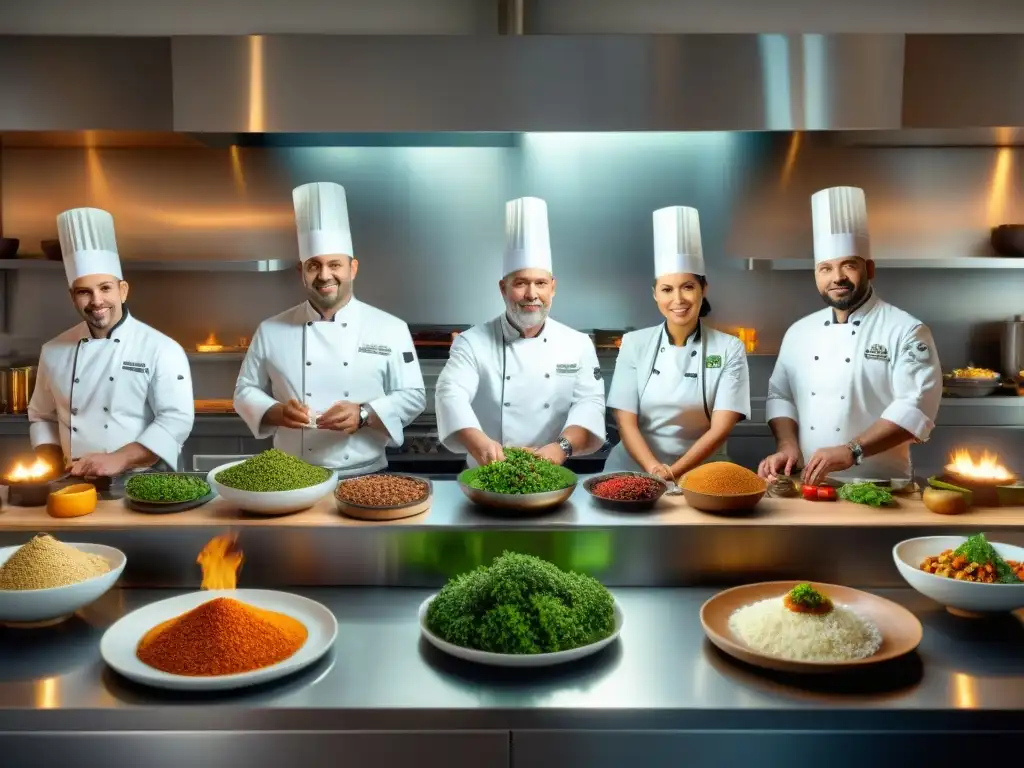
point(180, 265)
point(966, 262)
point(215, 357)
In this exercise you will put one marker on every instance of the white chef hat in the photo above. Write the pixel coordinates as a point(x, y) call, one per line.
point(839, 216)
point(677, 247)
point(87, 243)
point(527, 243)
point(321, 218)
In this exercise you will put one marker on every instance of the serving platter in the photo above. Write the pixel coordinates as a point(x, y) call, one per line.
point(523, 660)
point(120, 642)
point(900, 629)
point(169, 507)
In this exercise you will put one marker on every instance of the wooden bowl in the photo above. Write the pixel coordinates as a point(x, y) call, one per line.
point(735, 502)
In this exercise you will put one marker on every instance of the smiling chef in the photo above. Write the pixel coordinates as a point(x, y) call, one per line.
point(855, 384)
point(334, 380)
point(111, 394)
point(522, 379)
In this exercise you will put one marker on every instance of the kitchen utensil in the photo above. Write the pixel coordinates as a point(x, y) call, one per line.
point(271, 502)
point(1012, 347)
point(9, 247)
point(383, 514)
point(900, 629)
point(51, 249)
point(962, 598)
point(1008, 240)
point(639, 505)
point(516, 502)
point(517, 659)
point(21, 382)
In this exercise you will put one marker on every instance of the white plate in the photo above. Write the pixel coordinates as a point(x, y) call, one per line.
point(119, 643)
point(516, 659)
point(967, 596)
point(34, 605)
point(271, 502)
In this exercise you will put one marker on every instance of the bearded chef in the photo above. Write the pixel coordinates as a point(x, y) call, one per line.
point(679, 387)
point(522, 379)
point(856, 383)
point(111, 394)
point(333, 380)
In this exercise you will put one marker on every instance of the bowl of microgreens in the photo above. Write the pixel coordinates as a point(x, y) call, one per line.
point(272, 483)
point(167, 492)
point(522, 482)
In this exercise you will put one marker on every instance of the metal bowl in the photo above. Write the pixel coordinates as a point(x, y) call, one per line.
point(971, 387)
point(517, 502)
point(621, 505)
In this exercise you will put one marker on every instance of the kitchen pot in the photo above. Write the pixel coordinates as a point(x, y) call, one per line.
point(19, 383)
point(1008, 240)
point(1013, 347)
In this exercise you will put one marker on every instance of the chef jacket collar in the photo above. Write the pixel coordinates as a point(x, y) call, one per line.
point(855, 317)
point(345, 313)
point(511, 333)
point(694, 337)
point(120, 327)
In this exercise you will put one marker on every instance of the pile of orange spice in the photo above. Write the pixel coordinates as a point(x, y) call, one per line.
point(722, 478)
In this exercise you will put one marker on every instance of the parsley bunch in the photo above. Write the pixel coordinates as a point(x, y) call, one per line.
point(521, 472)
point(866, 493)
point(978, 550)
point(522, 604)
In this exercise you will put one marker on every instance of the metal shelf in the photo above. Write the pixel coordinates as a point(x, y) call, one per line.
point(965, 262)
point(182, 265)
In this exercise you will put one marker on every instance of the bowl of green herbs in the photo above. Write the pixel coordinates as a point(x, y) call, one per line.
point(521, 611)
point(167, 492)
point(522, 482)
point(272, 483)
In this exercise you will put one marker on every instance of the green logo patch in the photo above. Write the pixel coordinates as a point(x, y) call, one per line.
point(713, 361)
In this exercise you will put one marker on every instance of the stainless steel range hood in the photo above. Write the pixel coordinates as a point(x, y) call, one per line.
point(307, 84)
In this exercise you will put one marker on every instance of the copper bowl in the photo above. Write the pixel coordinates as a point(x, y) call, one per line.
point(733, 502)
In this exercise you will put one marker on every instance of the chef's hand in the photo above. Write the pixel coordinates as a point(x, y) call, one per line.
point(663, 471)
point(99, 465)
point(341, 417)
point(825, 461)
point(552, 452)
point(781, 463)
point(293, 415)
point(484, 450)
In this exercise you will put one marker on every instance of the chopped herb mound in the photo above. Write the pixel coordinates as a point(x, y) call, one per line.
point(271, 471)
point(521, 472)
point(809, 599)
point(165, 487)
point(978, 550)
point(866, 493)
point(522, 605)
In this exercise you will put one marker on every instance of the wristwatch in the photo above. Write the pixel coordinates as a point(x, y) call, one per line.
point(857, 451)
point(364, 416)
point(566, 446)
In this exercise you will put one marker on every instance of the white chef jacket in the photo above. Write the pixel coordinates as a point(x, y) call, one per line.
point(836, 379)
point(99, 395)
point(362, 355)
point(663, 385)
point(521, 392)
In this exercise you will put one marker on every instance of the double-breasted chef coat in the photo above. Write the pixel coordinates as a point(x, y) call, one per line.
point(362, 355)
point(519, 391)
point(98, 395)
point(674, 390)
point(836, 379)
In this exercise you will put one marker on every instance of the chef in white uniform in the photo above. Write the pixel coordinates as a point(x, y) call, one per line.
point(679, 387)
point(334, 380)
point(111, 394)
point(856, 383)
point(522, 379)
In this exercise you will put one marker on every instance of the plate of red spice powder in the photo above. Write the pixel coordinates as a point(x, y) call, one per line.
point(626, 491)
point(219, 640)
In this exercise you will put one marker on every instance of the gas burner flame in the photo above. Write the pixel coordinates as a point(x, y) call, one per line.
point(220, 561)
point(37, 470)
point(987, 468)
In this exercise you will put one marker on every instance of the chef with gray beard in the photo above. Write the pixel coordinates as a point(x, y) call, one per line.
point(522, 379)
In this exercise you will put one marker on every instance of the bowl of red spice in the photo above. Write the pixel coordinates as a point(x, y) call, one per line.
point(626, 491)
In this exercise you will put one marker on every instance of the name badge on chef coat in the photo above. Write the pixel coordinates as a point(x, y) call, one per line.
point(567, 369)
point(127, 365)
point(375, 349)
point(877, 352)
point(713, 361)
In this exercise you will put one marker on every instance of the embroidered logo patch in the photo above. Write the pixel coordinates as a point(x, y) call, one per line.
point(567, 369)
point(127, 365)
point(713, 361)
point(375, 349)
point(917, 352)
point(877, 352)
point(597, 373)
point(408, 357)
point(690, 375)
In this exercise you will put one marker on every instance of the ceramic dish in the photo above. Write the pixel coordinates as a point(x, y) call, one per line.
point(169, 507)
point(120, 642)
point(900, 629)
point(964, 598)
point(383, 514)
point(621, 505)
point(736, 502)
point(517, 659)
point(36, 606)
point(971, 387)
point(271, 502)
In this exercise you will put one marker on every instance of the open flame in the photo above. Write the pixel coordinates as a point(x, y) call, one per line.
point(987, 468)
point(37, 470)
point(210, 345)
point(220, 561)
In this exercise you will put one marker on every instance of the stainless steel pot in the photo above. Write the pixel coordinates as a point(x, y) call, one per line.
point(20, 383)
point(1013, 347)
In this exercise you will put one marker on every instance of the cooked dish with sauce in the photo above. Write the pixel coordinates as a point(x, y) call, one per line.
point(974, 373)
point(975, 560)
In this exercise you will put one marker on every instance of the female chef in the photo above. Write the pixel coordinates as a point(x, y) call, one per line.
point(679, 387)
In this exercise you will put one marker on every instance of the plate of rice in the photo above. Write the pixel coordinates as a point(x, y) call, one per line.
point(792, 626)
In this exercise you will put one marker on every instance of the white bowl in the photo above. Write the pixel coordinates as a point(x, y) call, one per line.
point(967, 596)
point(271, 502)
point(25, 606)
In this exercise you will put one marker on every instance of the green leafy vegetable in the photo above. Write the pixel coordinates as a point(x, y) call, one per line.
point(522, 604)
point(270, 471)
point(165, 487)
point(520, 472)
point(808, 596)
point(866, 493)
point(978, 550)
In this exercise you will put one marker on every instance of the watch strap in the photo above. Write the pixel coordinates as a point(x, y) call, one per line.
point(566, 446)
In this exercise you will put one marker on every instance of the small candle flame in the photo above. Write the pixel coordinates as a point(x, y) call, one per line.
point(37, 470)
point(986, 468)
point(212, 344)
point(220, 561)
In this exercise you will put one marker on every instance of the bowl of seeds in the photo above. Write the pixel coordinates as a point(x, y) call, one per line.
point(384, 496)
point(45, 581)
point(522, 482)
point(271, 483)
point(167, 492)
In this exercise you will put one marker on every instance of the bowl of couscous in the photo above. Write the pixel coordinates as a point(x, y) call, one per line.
point(721, 486)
